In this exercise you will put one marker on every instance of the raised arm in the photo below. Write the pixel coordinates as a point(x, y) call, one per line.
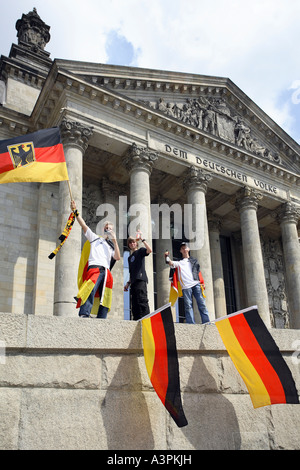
point(148, 247)
point(168, 260)
point(79, 218)
point(117, 255)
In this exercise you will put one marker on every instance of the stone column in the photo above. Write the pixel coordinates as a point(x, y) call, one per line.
point(238, 271)
point(111, 193)
point(139, 162)
point(162, 245)
point(214, 225)
point(195, 183)
point(289, 217)
point(44, 270)
point(247, 203)
point(75, 139)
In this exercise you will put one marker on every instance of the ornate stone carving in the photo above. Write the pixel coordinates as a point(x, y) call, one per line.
point(247, 198)
point(91, 198)
point(76, 134)
point(140, 158)
point(274, 272)
point(289, 213)
point(196, 178)
point(33, 31)
point(112, 189)
point(212, 115)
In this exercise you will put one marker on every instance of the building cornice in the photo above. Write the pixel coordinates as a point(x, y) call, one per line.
point(61, 81)
point(13, 123)
point(122, 78)
point(65, 81)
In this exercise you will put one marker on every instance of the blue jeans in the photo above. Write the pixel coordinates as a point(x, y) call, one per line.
point(188, 304)
point(86, 308)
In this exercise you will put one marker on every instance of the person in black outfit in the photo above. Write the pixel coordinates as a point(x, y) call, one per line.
point(138, 278)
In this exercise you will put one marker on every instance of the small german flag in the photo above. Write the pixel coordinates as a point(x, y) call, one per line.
point(176, 290)
point(160, 353)
point(37, 157)
point(257, 358)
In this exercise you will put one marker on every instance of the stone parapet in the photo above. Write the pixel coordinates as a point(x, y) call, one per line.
point(71, 383)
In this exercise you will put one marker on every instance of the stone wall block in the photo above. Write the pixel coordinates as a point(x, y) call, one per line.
point(52, 371)
point(10, 399)
point(13, 330)
point(216, 422)
point(125, 372)
point(47, 420)
point(139, 420)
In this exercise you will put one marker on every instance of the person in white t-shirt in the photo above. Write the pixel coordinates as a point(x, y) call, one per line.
point(188, 275)
point(103, 251)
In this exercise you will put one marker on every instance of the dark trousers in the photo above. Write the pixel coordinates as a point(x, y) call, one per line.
point(139, 299)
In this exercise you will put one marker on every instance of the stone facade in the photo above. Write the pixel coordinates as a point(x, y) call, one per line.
point(145, 137)
point(159, 139)
point(84, 385)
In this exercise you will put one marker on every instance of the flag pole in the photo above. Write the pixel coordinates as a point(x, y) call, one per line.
point(253, 307)
point(70, 191)
point(155, 312)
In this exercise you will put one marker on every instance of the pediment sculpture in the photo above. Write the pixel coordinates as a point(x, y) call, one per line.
point(212, 115)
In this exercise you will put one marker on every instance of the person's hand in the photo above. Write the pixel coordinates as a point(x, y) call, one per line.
point(73, 205)
point(126, 287)
point(110, 234)
point(139, 235)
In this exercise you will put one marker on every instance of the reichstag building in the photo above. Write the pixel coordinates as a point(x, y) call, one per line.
point(167, 141)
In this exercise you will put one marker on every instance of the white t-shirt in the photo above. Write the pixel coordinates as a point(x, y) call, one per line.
point(101, 252)
point(185, 273)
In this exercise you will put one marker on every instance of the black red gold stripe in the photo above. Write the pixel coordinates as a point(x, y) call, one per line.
point(87, 279)
point(257, 358)
point(49, 160)
point(161, 360)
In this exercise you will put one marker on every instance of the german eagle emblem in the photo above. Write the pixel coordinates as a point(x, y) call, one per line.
point(22, 154)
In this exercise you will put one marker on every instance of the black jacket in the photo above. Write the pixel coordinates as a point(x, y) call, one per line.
point(136, 263)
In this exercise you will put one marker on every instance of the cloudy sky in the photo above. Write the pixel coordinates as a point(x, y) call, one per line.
point(255, 43)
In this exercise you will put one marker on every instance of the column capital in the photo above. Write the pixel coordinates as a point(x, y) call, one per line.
point(247, 198)
point(288, 213)
point(196, 178)
point(140, 158)
point(75, 134)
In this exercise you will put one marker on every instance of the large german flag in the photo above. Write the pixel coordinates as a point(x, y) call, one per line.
point(161, 360)
point(257, 358)
point(37, 157)
point(86, 280)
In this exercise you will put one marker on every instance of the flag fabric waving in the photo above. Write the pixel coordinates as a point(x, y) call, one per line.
point(257, 358)
point(86, 280)
point(176, 290)
point(161, 360)
point(37, 157)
